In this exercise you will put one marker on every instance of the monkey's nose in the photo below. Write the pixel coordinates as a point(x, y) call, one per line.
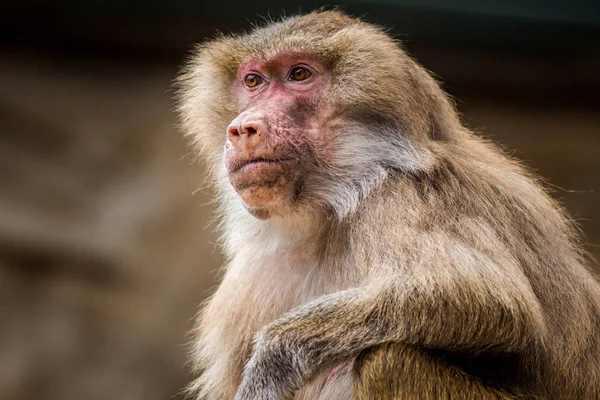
point(245, 134)
point(234, 131)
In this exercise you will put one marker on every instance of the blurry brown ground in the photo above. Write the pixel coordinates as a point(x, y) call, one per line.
point(106, 249)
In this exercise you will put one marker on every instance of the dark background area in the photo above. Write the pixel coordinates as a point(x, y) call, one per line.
point(106, 245)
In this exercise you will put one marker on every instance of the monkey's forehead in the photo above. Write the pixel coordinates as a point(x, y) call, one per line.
point(344, 45)
point(319, 24)
point(309, 33)
point(324, 35)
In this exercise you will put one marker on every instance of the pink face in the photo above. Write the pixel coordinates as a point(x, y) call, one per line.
point(280, 124)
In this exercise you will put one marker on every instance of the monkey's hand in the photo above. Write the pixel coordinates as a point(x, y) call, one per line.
point(269, 374)
point(263, 379)
point(289, 351)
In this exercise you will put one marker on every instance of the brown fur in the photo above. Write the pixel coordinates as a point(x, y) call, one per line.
point(395, 371)
point(418, 253)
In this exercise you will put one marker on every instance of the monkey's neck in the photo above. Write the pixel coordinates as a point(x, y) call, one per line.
point(297, 231)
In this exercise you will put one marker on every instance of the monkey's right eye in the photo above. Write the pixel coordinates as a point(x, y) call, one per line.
point(252, 80)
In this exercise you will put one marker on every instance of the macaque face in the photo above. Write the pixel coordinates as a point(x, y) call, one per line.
point(280, 127)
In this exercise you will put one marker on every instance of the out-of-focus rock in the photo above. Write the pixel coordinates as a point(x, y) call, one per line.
point(105, 253)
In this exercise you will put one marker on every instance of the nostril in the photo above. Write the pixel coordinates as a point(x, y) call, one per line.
point(247, 129)
point(233, 132)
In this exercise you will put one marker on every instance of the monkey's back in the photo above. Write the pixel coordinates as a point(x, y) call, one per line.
point(482, 199)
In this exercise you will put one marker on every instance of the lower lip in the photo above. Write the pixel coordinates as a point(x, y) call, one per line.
point(261, 165)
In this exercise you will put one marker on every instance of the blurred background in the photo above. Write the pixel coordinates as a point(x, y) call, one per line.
point(106, 246)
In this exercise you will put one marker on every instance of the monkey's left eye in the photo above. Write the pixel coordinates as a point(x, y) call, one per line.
point(252, 80)
point(300, 74)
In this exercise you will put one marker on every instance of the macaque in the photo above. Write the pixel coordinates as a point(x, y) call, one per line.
point(376, 248)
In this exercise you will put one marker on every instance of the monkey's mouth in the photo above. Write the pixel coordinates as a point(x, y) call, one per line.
point(255, 162)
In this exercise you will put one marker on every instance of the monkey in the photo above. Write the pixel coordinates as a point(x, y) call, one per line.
point(376, 248)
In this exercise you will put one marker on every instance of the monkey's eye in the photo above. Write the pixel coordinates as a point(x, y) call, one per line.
point(300, 74)
point(252, 80)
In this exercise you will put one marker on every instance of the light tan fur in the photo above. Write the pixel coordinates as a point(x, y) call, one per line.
point(420, 250)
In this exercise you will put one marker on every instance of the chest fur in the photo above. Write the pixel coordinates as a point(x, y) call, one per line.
point(257, 290)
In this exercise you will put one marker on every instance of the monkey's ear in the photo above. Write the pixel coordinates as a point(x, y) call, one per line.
point(204, 95)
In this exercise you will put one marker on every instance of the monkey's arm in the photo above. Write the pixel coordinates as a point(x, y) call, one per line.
point(473, 306)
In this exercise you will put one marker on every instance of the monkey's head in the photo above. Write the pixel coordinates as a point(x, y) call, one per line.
point(310, 113)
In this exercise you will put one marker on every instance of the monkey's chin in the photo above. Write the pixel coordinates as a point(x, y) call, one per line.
point(267, 189)
point(263, 202)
